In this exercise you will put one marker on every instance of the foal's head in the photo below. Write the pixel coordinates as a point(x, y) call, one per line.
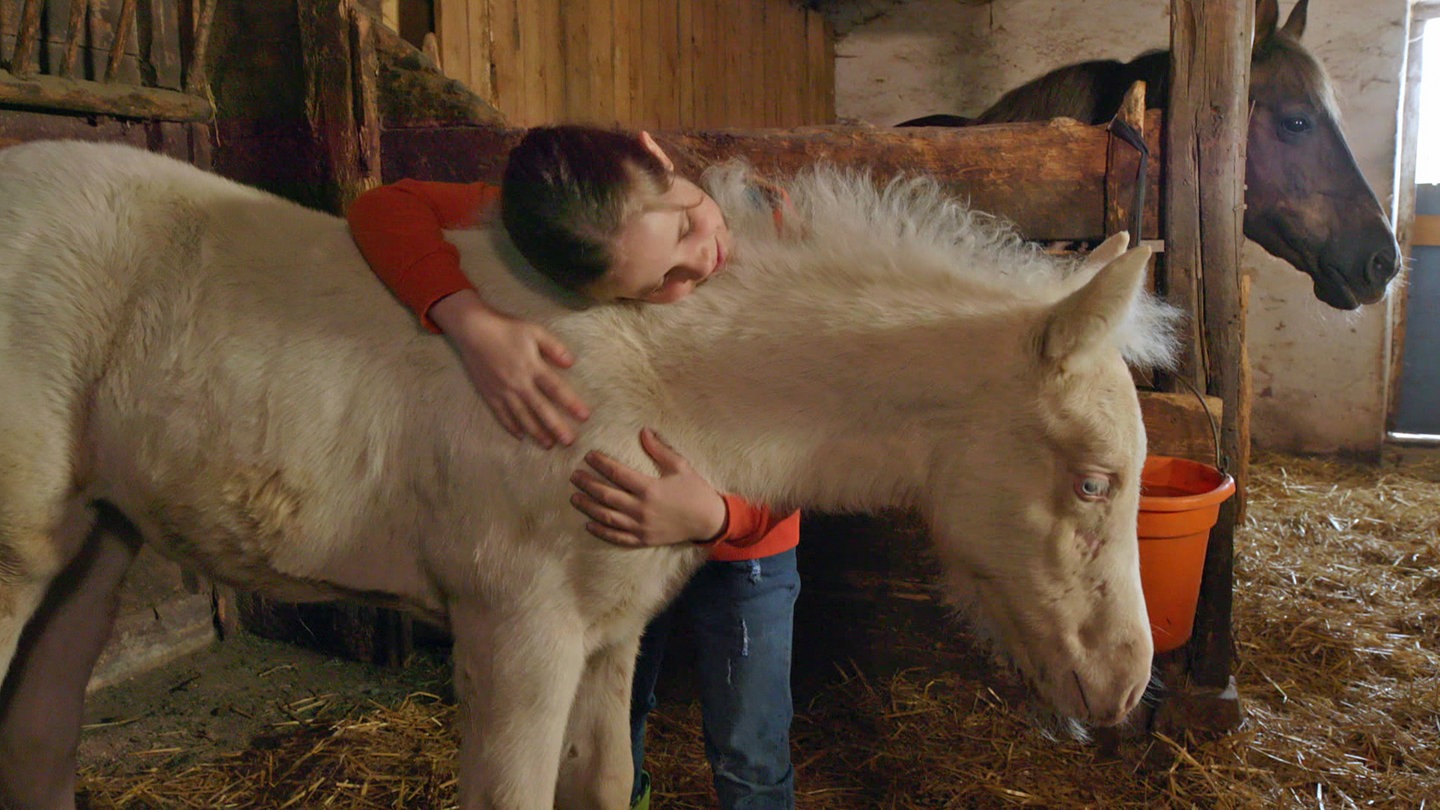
point(1035, 508)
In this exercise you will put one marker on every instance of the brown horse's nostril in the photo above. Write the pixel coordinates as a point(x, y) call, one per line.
point(1382, 266)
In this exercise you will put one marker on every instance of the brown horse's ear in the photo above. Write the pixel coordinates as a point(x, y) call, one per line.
point(1295, 23)
point(1084, 322)
point(1267, 16)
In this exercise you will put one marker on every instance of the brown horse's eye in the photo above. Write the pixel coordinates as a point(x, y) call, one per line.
point(1296, 124)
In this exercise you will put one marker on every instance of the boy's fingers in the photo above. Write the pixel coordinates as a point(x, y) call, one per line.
point(603, 493)
point(554, 351)
point(613, 537)
point(560, 393)
point(554, 423)
point(529, 424)
point(503, 416)
point(622, 476)
point(602, 514)
point(663, 454)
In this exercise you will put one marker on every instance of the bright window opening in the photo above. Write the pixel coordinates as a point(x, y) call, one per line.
point(1427, 153)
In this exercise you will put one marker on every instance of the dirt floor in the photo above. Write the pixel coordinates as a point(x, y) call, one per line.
point(897, 707)
point(236, 695)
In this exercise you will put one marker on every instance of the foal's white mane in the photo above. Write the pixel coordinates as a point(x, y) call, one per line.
point(851, 229)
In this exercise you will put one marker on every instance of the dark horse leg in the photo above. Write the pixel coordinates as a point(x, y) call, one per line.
point(43, 697)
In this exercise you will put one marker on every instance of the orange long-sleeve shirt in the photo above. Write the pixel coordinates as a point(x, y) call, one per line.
point(400, 228)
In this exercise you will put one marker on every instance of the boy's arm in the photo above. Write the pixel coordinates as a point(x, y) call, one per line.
point(513, 364)
point(400, 228)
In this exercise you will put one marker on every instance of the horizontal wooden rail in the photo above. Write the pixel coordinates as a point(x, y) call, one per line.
point(121, 100)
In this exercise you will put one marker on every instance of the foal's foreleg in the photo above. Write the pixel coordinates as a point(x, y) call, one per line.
point(43, 699)
point(597, 769)
point(515, 677)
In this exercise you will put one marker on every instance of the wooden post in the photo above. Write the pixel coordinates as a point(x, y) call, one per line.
point(73, 32)
point(197, 33)
point(123, 23)
point(1122, 166)
point(342, 106)
point(340, 71)
point(1205, 144)
point(27, 39)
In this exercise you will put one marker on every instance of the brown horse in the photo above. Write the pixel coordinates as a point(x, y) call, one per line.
point(1305, 199)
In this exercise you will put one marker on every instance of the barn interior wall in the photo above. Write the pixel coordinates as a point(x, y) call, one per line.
point(1320, 376)
point(662, 64)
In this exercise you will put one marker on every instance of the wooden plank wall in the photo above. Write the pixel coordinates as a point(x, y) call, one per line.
point(150, 54)
point(663, 64)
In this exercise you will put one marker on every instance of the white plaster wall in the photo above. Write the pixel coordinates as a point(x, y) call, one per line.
point(1320, 375)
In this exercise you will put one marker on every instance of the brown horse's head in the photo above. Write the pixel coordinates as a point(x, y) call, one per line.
point(1306, 201)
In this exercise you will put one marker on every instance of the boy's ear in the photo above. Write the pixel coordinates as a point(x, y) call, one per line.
point(654, 149)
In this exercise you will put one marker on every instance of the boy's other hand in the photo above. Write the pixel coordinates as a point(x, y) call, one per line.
point(629, 508)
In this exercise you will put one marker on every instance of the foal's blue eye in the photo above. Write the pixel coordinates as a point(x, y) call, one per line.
point(1092, 487)
point(1296, 124)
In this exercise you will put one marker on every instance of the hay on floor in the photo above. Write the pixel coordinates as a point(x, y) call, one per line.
point(1337, 622)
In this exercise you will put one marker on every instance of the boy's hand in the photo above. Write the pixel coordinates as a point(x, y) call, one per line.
point(515, 366)
point(635, 510)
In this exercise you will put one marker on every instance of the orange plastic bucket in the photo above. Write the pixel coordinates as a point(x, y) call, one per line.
point(1179, 503)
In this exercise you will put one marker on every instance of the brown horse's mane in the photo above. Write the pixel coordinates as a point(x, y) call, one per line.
point(1092, 91)
point(1086, 91)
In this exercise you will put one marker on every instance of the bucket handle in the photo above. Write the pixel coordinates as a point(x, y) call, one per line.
point(1221, 462)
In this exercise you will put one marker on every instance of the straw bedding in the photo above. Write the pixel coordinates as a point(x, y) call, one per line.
point(1336, 603)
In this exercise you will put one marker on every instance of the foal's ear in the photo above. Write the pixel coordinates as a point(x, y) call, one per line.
point(1267, 16)
point(1105, 253)
point(1084, 323)
point(1295, 23)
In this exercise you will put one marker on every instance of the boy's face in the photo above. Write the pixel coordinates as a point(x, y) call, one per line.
point(674, 244)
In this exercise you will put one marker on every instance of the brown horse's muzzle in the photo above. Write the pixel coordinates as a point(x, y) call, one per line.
point(1351, 268)
point(1357, 270)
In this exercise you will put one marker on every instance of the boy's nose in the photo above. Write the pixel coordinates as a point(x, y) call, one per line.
point(703, 259)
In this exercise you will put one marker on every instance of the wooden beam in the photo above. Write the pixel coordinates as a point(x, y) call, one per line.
point(414, 92)
point(122, 101)
point(1207, 127)
point(1182, 425)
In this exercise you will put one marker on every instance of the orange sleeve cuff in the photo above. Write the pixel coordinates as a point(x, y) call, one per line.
point(745, 522)
point(753, 531)
point(428, 280)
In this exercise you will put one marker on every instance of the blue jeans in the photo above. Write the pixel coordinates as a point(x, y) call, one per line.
point(741, 615)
